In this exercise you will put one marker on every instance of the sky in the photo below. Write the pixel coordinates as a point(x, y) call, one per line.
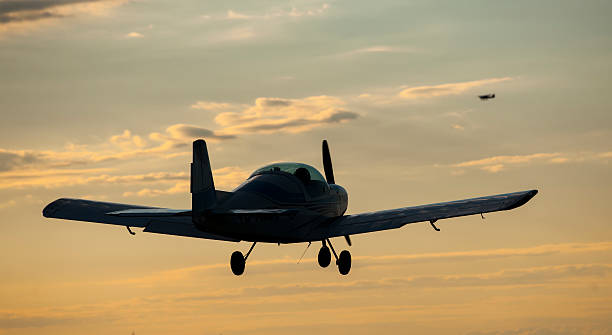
point(101, 100)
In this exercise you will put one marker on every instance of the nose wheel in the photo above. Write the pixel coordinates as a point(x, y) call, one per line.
point(324, 257)
point(343, 261)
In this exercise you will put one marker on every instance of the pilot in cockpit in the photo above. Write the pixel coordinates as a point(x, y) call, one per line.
point(302, 174)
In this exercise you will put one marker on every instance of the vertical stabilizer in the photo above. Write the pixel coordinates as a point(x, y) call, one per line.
point(203, 196)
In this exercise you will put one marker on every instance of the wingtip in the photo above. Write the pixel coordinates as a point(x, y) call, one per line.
point(524, 199)
point(51, 208)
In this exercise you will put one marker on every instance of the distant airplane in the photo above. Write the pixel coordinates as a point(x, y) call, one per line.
point(278, 203)
point(487, 96)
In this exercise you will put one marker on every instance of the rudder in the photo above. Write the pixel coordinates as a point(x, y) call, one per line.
point(203, 195)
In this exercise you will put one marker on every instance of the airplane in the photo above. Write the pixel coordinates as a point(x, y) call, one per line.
point(487, 96)
point(279, 203)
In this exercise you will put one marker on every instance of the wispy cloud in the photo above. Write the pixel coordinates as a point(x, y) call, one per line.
point(270, 115)
point(431, 91)
point(248, 25)
point(498, 163)
point(150, 294)
point(224, 178)
point(306, 292)
point(406, 94)
point(185, 132)
point(77, 164)
point(21, 16)
point(277, 13)
point(83, 164)
point(214, 106)
point(134, 34)
point(375, 49)
point(7, 204)
point(392, 260)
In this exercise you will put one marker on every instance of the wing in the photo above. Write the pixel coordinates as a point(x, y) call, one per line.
point(153, 219)
point(396, 218)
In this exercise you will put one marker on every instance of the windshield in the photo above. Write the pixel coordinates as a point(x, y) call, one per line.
point(290, 168)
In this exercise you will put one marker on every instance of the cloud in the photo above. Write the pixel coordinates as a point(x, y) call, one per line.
point(134, 34)
point(493, 168)
point(232, 15)
point(551, 330)
point(227, 177)
point(413, 295)
point(431, 91)
point(277, 265)
point(224, 178)
point(7, 204)
point(127, 140)
point(47, 178)
point(269, 115)
point(234, 34)
point(129, 145)
point(13, 159)
point(405, 94)
point(181, 187)
point(277, 13)
point(25, 15)
point(605, 154)
point(189, 132)
point(241, 26)
point(15, 321)
point(375, 49)
point(77, 165)
point(498, 163)
point(213, 106)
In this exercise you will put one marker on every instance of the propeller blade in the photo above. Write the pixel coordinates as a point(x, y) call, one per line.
point(327, 164)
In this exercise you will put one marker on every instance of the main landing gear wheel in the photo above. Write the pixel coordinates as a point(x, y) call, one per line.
point(344, 262)
point(237, 262)
point(324, 257)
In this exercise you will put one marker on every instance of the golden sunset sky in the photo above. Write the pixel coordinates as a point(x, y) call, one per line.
point(101, 100)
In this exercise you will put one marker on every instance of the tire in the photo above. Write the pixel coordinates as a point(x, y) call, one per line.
point(344, 262)
point(324, 257)
point(237, 263)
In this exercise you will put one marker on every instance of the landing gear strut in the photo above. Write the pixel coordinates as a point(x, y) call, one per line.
point(343, 261)
point(238, 261)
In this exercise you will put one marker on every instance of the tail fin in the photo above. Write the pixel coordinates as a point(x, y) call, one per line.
point(202, 185)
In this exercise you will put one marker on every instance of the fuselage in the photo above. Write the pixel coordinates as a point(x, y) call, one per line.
point(298, 189)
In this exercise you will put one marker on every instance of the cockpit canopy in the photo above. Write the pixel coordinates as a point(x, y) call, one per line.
point(266, 181)
point(296, 169)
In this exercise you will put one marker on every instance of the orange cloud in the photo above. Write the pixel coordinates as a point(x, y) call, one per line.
point(134, 34)
point(269, 115)
point(225, 178)
point(498, 163)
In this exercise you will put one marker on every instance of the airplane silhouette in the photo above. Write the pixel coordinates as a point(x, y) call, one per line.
point(278, 203)
point(487, 96)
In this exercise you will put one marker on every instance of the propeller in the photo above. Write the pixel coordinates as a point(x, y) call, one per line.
point(327, 164)
point(329, 175)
